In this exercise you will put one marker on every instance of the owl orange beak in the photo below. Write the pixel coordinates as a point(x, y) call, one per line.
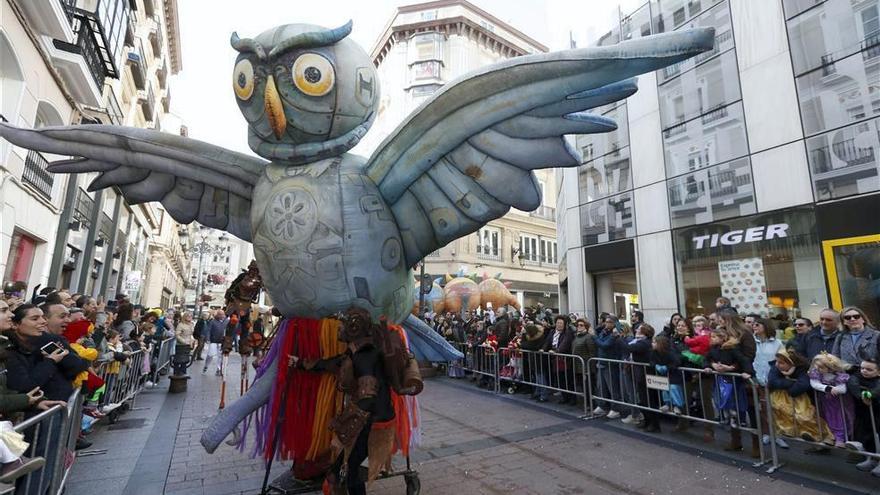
point(274, 108)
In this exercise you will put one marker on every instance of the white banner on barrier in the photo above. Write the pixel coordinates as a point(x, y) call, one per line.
point(657, 382)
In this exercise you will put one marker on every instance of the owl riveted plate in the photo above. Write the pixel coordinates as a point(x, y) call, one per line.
point(292, 214)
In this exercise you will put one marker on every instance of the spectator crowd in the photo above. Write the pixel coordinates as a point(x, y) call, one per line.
point(817, 382)
point(57, 343)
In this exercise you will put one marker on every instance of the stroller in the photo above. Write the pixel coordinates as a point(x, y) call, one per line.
point(512, 372)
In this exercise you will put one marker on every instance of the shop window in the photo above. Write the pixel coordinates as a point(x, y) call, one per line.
point(489, 243)
point(715, 137)
point(768, 264)
point(853, 269)
point(608, 219)
point(20, 258)
point(712, 194)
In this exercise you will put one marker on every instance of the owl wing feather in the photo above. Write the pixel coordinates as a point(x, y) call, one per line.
point(194, 180)
point(467, 154)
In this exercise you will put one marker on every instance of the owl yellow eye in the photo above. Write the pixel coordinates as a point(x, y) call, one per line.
point(313, 74)
point(243, 79)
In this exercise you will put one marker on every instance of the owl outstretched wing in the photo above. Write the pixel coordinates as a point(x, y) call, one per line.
point(467, 154)
point(194, 180)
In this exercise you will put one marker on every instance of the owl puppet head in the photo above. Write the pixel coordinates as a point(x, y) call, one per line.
point(307, 92)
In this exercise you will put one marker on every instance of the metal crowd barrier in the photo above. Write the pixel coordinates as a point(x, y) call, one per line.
point(52, 434)
point(163, 357)
point(553, 372)
point(813, 427)
point(479, 360)
point(618, 380)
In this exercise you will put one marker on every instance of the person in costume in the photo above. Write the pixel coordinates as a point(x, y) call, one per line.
point(829, 378)
point(794, 414)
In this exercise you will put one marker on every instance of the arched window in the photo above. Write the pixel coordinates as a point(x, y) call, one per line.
point(11, 88)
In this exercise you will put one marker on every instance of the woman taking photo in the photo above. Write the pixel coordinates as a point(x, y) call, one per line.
point(39, 359)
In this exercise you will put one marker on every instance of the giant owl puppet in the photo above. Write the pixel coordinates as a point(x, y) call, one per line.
point(332, 230)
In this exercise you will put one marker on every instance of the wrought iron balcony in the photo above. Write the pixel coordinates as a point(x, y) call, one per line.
point(91, 43)
point(37, 175)
point(138, 64)
point(156, 38)
point(82, 209)
point(147, 101)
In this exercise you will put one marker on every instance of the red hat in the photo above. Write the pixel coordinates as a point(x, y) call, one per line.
point(77, 330)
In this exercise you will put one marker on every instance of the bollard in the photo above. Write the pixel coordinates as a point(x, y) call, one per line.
point(181, 360)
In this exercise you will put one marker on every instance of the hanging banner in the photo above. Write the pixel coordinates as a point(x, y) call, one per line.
point(132, 282)
point(742, 281)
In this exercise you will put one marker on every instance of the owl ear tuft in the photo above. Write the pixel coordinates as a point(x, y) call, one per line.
point(246, 45)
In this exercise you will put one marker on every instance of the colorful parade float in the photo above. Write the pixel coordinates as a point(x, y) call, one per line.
point(335, 235)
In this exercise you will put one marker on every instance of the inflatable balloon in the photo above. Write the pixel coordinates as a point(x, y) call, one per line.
point(461, 294)
point(333, 231)
point(495, 292)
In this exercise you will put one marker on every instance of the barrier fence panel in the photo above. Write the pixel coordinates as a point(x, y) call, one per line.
point(546, 372)
point(480, 360)
point(824, 420)
point(703, 396)
point(52, 435)
point(163, 357)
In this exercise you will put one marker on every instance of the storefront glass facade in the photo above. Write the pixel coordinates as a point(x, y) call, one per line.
point(769, 264)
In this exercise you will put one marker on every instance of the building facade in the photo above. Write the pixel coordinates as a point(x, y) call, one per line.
point(749, 171)
point(217, 257)
point(422, 47)
point(71, 62)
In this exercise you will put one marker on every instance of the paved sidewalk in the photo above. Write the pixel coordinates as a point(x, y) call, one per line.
point(473, 442)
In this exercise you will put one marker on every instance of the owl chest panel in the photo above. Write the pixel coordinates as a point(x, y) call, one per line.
point(298, 233)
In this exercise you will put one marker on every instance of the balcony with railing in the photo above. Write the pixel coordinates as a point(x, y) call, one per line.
point(82, 209)
point(113, 109)
point(846, 151)
point(166, 101)
point(491, 253)
point(162, 74)
point(138, 64)
point(871, 47)
point(156, 38)
point(91, 43)
point(147, 101)
point(544, 212)
point(828, 67)
point(714, 115)
point(36, 174)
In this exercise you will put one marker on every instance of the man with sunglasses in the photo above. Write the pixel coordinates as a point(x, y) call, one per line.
point(858, 340)
point(821, 338)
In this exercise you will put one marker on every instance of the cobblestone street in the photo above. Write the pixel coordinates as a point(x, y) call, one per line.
point(473, 443)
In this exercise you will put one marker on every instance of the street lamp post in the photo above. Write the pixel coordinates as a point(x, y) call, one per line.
point(202, 248)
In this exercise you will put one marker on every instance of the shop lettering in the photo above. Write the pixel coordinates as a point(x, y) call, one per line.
point(734, 237)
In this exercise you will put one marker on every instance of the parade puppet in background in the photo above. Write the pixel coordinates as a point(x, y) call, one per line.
point(466, 293)
point(332, 230)
point(240, 298)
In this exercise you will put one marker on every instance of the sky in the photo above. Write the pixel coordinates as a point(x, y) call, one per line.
point(201, 94)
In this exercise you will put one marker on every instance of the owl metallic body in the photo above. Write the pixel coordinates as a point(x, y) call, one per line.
point(330, 229)
point(331, 240)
